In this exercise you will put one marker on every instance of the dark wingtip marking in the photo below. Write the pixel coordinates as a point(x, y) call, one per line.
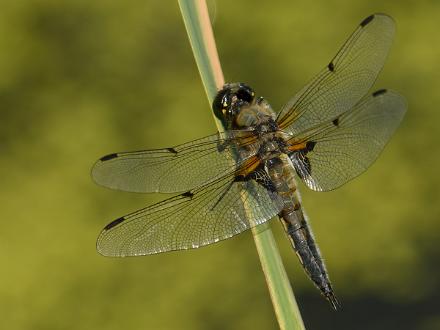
point(336, 122)
point(172, 150)
point(310, 145)
point(331, 66)
point(379, 92)
point(367, 20)
point(108, 157)
point(114, 223)
point(188, 194)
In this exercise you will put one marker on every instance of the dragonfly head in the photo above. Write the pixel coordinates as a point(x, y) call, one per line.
point(229, 101)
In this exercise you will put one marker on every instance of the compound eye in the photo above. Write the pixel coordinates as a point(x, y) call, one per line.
point(225, 103)
point(245, 93)
point(221, 103)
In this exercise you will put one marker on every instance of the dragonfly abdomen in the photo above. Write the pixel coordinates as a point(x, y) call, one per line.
point(296, 226)
point(303, 242)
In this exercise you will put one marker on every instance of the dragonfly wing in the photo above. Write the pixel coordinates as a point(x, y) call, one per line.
point(175, 169)
point(216, 211)
point(343, 148)
point(345, 80)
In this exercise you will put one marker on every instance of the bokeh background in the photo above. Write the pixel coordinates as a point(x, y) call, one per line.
point(80, 79)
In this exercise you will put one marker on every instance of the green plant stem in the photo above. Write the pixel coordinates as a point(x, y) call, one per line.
point(198, 26)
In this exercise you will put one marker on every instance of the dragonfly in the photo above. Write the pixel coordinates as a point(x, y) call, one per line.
point(331, 131)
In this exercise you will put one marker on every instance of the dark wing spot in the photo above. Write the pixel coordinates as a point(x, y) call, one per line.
point(114, 223)
point(301, 162)
point(108, 157)
point(188, 194)
point(262, 178)
point(336, 122)
point(172, 150)
point(310, 145)
point(268, 185)
point(305, 169)
point(240, 178)
point(379, 92)
point(367, 20)
point(331, 66)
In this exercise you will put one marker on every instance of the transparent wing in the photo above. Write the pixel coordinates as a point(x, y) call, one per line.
point(345, 80)
point(196, 218)
point(175, 169)
point(346, 146)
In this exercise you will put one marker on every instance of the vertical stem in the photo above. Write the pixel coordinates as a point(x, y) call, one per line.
point(196, 18)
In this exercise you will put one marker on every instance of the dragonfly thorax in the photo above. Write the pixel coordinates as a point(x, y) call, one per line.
point(270, 146)
point(254, 116)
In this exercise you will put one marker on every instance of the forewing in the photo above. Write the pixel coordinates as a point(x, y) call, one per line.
point(346, 146)
point(199, 217)
point(175, 169)
point(345, 80)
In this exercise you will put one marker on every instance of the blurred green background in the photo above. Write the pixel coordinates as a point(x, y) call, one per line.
point(80, 79)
